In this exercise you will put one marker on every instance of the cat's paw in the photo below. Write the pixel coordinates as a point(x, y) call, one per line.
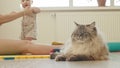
point(60, 58)
point(72, 58)
point(104, 58)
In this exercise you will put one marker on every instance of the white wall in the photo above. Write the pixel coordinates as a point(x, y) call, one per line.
point(52, 25)
point(108, 23)
point(12, 30)
point(9, 30)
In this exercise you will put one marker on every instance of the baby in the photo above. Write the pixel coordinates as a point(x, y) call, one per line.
point(29, 22)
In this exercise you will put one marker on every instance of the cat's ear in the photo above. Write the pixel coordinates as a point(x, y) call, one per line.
point(92, 24)
point(76, 23)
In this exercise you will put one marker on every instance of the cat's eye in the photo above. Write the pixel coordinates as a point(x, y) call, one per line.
point(94, 29)
point(88, 25)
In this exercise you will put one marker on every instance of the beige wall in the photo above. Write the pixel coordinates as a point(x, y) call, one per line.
point(108, 23)
point(52, 25)
point(9, 30)
point(12, 30)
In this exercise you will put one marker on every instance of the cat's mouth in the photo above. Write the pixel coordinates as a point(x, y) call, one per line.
point(80, 39)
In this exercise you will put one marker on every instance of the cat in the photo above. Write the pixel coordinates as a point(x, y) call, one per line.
point(85, 44)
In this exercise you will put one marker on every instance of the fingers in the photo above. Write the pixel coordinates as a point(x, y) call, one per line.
point(28, 11)
point(36, 10)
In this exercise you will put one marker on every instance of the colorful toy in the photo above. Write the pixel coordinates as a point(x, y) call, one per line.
point(57, 43)
point(114, 46)
point(54, 53)
point(13, 57)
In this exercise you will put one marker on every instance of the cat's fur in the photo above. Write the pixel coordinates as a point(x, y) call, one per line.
point(85, 44)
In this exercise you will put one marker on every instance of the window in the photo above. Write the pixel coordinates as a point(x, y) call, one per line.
point(51, 3)
point(72, 3)
point(117, 2)
point(78, 3)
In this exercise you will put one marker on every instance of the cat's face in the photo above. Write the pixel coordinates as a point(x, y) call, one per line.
point(84, 33)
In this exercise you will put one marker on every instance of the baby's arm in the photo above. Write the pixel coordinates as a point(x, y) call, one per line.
point(36, 10)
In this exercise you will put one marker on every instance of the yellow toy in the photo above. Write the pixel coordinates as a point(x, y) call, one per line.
point(13, 57)
point(57, 43)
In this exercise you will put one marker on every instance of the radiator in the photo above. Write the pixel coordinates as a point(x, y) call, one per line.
point(107, 22)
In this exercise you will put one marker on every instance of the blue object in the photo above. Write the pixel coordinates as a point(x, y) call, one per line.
point(114, 46)
point(9, 58)
point(56, 50)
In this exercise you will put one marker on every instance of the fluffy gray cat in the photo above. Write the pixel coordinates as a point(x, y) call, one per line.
point(85, 44)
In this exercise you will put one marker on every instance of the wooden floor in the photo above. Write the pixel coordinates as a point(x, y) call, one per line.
point(114, 62)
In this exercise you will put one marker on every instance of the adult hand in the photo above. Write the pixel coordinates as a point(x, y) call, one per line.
point(28, 11)
point(36, 10)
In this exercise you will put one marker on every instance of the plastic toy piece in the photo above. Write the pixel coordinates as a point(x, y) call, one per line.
point(54, 53)
point(114, 46)
point(57, 43)
point(13, 57)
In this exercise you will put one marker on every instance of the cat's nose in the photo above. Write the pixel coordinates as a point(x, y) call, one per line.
point(82, 33)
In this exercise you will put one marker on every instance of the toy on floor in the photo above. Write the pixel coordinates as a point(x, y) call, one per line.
point(14, 57)
point(57, 43)
point(54, 53)
point(114, 46)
